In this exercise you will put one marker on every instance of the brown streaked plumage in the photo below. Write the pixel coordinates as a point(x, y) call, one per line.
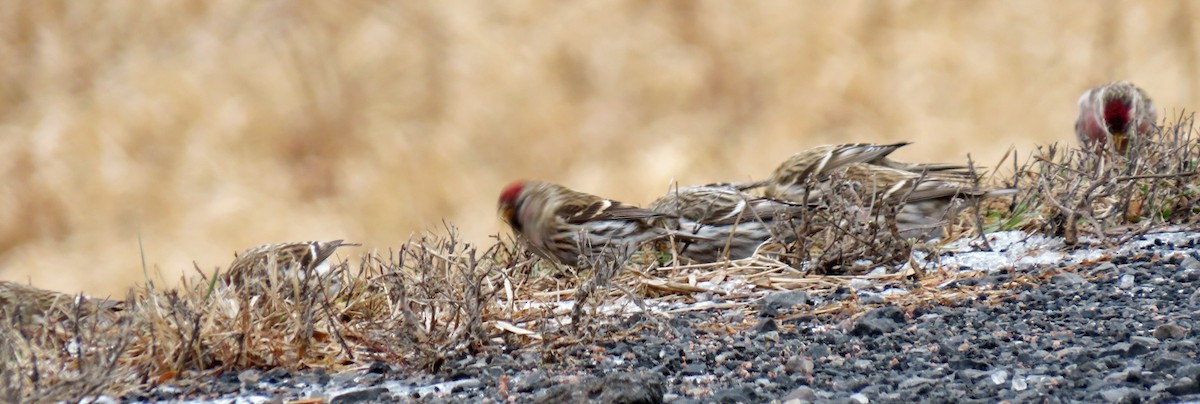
point(16, 297)
point(563, 225)
point(818, 163)
point(285, 259)
point(924, 190)
point(792, 179)
point(1116, 113)
point(732, 224)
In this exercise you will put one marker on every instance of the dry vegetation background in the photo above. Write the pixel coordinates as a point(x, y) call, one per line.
point(209, 127)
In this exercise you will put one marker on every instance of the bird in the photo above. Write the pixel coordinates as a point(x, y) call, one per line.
point(1116, 113)
point(732, 223)
point(819, 163)
point(564, 226)
point(30, 300)
point(290, 260)
point(923, 192)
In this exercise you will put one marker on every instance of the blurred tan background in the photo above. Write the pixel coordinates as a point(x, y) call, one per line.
point(208, 127)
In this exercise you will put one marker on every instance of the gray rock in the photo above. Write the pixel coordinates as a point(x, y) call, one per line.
point(893, 313)
point(765, 326)
point(1125, 281)
point(1068, 278)
point(775, 303)
point(1167, 363)
point(363, 395)
point(913, 382)
point(1147, 341)
point(1105, 267)
point(872, 326)
point(799, 365)
point(739, 394)
point(621, 387)
point(249, 376)
point(695, 369)
point(1184, 386)
point(1121, 395)
point(1170, 331)
point(1192, 371)
point(533, 381)
point(1126, 349)
point(802, 393)
point(1190, 263)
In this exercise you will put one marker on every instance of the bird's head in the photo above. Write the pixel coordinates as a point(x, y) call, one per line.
point(509, 201)
point(1117, 112)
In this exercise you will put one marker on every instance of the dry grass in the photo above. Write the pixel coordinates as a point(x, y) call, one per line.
point(412, 307)
point(206, 127)
point(1107, 199)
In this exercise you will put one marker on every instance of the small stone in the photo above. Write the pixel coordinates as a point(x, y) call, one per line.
point(379, 367)
point(739, 394)
point(276, 375)
point(1192, 371)
point(802, 393)
point(774, 303)
point(872, 326)
point(889, 312)
point(1184, 386)
point(533, 381)
point(860, 283)
point(1170, 331)
point(971, 374)
point(1147, 341)
point(999, 377)
point(249, 376)
point(343, 378)
point(859, 398)
point(1190, 263)
point(870, 299)
point(799, 365)
point(1068, 278)
point(1019, 384)
point(1121, 395)
point(765, 326)
point(1166, 363)
point(1105, 267)
point(1120, 349)
point(467, 384)
point(1125, 281)
point(620, 387)
point(915, 382)
point(1127, 375)
point(368, 379)
point(365, 395)
point(695, 369)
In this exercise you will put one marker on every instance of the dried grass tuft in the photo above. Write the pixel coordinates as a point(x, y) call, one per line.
point(1103, 198)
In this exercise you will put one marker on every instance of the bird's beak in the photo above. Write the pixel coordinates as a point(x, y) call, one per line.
point(1119, 142)
point(506, 213)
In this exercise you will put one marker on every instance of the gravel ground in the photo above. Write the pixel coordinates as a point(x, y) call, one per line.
point(1121, 330)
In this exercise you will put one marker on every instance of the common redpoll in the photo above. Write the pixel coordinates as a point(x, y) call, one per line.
point(924, 191)
point(793, 179)
point(32, 301)
point(1115, 113)
point(282, 262)
point(731, 223)
point(563, 225)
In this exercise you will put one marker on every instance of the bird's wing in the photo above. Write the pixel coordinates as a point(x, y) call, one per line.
point(604, 209)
